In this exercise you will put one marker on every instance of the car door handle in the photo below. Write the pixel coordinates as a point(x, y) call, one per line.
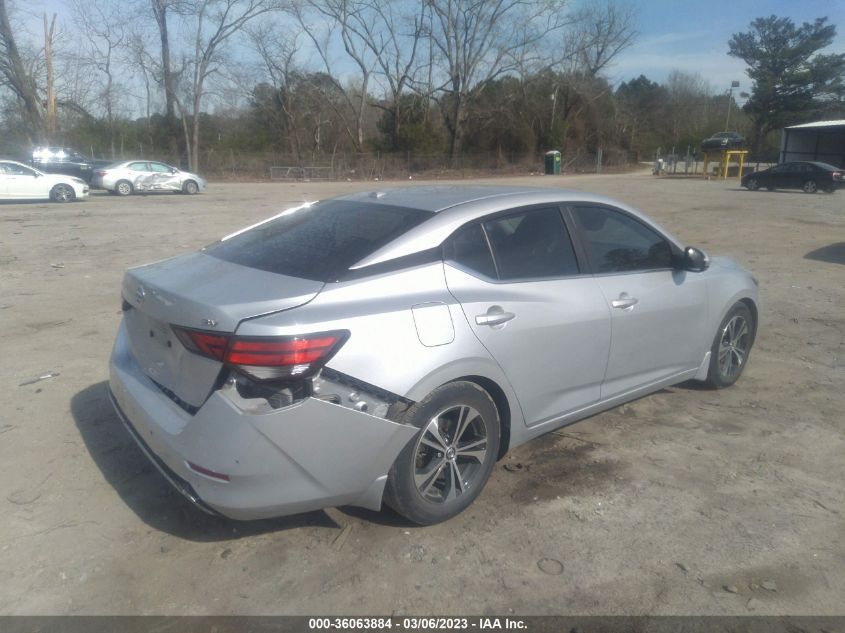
point(624, 301)
point(494, 317)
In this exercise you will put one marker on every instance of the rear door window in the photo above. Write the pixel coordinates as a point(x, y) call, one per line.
point(318, 242)
point(526, 245)
point(531, 245)
point(618, 243)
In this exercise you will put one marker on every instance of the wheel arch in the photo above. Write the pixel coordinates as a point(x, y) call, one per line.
point(752, 307)
point(503, 407)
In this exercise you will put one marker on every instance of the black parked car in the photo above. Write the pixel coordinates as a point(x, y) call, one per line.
point(61, 160)
point(809, 176)
point(723, 140)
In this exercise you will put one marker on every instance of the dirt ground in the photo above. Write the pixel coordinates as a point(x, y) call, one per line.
point(686, 502)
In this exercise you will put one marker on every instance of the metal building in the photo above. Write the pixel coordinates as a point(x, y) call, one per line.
point(822, 141)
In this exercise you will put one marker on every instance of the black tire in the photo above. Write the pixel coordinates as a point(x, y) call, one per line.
point(752, 184)
point(728, 361)
point(124, 188)
point(422, 464)
point(830, 189)
point(62, 193)
point(810, 186)
point(190, 187)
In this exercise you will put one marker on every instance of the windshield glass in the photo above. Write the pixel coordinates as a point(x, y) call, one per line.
point(320, 241)
point(827, 166)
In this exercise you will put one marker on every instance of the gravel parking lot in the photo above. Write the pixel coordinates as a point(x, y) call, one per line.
point(689, 501)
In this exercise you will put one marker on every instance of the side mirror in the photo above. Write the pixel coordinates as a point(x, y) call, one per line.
point(695, 260)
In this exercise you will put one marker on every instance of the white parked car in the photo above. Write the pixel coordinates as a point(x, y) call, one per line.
point(21, 182)
point(133, 176)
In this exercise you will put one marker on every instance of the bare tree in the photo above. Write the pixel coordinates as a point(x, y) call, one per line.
point(160, 10)
point(49, 35)
point(603, 31)
point(16, 76)
point(138, 56)
point(214, 23)
point(105, 36)
point(393, 32)
point(278, 49)
point(477, 41)
point(346, 18)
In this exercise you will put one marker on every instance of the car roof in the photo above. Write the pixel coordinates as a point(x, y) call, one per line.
point(453, 206)
point(826, 166)
point(439, 198)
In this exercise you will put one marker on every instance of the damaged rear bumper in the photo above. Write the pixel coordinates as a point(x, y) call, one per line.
point(309, 455)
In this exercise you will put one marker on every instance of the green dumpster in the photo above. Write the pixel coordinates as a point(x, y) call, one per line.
point(552, 162)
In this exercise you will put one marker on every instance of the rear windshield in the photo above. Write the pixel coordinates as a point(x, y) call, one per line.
point(319, 242)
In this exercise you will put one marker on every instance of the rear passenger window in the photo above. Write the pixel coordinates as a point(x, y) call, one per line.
point(470, 250)
point(533, 244)
point(616, 242)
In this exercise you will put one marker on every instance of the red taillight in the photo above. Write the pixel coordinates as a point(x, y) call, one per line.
point(100, 173)
point(265, 358)
point(273, 353)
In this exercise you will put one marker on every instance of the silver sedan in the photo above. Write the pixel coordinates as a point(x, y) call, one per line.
point(138, 176)
point(392, 346)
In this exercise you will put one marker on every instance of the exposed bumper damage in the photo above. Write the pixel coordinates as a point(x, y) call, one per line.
point(158, 182)
point(309, 455)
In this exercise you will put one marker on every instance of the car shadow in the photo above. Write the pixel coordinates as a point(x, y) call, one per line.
point(147, 493)
point(386, 517)
point(832, 254)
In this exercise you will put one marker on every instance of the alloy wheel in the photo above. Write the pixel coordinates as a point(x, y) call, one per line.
point(63, 193)
point(449, 454)
point(733, 346)
point(810, 186)
point(753, 185)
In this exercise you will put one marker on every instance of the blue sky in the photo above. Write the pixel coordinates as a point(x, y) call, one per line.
point(692, 36)
point(687, 35)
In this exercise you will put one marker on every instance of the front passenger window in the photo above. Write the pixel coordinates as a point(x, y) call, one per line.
point(617, 242)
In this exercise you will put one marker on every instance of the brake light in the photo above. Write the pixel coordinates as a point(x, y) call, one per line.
point(265, 358)
point(100, 173)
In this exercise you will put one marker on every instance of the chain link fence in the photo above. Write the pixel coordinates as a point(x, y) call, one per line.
point(233, 165)
point(236, 165)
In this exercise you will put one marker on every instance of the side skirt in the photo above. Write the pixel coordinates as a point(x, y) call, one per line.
point(604, 405)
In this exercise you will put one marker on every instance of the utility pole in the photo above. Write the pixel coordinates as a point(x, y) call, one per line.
point(734, 84)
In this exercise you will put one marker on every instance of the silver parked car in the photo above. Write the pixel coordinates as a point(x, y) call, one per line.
point(393, 345)
point(22, 182)
point(135, 176)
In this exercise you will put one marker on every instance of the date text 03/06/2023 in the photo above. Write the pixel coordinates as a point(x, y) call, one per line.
point(416, 624)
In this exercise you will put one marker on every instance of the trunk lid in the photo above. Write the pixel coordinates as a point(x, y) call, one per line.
point(200, 292)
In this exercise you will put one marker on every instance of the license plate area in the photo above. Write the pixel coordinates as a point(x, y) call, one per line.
point(165, 360)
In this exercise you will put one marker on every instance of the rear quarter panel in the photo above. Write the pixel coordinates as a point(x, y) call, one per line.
point(385, 347)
